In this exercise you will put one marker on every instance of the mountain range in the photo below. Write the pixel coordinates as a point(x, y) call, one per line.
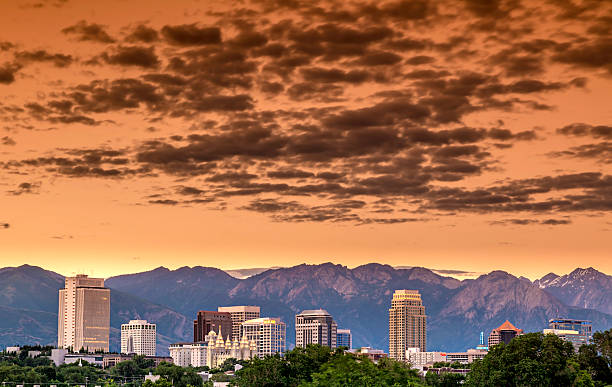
point(358, 299)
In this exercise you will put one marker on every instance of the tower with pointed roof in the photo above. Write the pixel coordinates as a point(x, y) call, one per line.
point(504, 333)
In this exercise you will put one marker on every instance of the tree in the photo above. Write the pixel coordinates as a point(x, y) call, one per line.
point(446, 379)
point(529, 360)
point(349, 370)
point(593, 363)
point(178, 376)
point(603, 342)
point(303, 362)
point(271, 371)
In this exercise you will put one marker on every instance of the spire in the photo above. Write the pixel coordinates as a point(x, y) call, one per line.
point(220, 342)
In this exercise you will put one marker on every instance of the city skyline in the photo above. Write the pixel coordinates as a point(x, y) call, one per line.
point(239, 134)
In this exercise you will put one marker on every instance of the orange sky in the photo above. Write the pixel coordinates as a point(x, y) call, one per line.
point(450, 135)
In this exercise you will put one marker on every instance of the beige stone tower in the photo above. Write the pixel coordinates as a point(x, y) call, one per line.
point(407, 323)
point(84, 314)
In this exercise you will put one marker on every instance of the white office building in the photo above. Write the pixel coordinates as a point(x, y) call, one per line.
point(269, 334)
point(315, 327)
point(139, 337)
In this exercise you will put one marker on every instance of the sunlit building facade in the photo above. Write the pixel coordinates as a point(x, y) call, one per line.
point(84, 314)
point(407, 323)
point(577, 332)
point(269, 334)
point(504, 334)
point(139, 337)
point(315, 327)
point(240, 314)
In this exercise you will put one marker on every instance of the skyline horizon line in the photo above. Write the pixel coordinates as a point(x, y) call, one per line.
point(457, 274)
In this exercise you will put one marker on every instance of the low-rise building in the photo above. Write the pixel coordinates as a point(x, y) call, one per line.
point(577, 332)
point(466, 357)
point(344, 338)
point(418, 358)
point(369, 352)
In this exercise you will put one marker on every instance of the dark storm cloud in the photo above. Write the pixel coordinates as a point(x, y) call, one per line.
point(25, 188)
point(525, 222)
point(191, 35)
point(7, 73)
point(600, 151)
point(58, 60)
point(132, 56)
point(290, 174)
point(338, 111)
point(591, 55)
point(89, 32)
point(317, 74)
point(5, 46)
point(519, 195)
point(81, 163)
point(6, 140)
point(581, 130)
point(142, 33)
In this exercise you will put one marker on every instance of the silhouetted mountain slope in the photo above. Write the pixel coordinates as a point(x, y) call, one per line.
point(584, 288)
point(29, 305)
point(358, 299)
point(185, 290)
point(30, 287)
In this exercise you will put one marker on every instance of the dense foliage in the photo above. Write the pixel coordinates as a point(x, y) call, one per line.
point(529, 360)
point(316, 366)
point(535, 359)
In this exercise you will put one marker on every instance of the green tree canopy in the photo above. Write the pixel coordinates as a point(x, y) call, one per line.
point(533, 359)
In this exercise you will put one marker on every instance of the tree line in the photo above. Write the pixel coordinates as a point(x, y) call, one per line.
point(532, 359)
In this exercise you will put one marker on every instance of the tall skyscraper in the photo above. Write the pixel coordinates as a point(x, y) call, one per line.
point(344, 338)
point(84, 314)
point(577, 332)
point(504, 333)
point(240, 314)
point(139, 337)
point(315, 327)
point(407, 323)
point(269, 334)
point(208, 320)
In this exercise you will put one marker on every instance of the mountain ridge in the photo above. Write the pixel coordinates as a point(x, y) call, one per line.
point(358, 298)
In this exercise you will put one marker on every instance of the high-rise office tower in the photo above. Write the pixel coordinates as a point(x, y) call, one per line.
point(315, 327)
point(240, 314)
point(269, 334)
point(139, 337)
point(504, 333)
point(407, 323)
point(344, 338)
point(208, 320)
point(84, 314)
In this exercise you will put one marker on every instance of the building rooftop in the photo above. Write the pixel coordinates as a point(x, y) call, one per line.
point(507, 326)
point(315, 312)
point(262, 320)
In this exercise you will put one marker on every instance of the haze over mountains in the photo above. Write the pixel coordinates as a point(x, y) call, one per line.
point(358, 299)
